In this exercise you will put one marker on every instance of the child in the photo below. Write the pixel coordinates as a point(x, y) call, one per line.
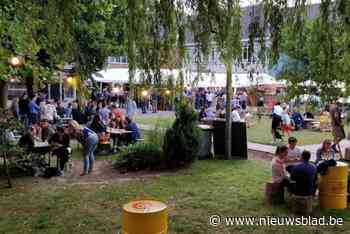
point(286, 122)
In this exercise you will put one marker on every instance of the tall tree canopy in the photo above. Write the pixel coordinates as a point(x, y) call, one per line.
point(48, 34)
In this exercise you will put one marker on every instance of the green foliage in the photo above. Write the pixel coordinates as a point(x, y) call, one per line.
point(322, 46)
point(182, 140)
point(9, 125)
point(84, 32)
point(140, 156)
point(143, 155)
point(156, 136)
point(97, 32)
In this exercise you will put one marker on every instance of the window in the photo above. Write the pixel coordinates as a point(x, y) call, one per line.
point(245, 53)
point(118, 60)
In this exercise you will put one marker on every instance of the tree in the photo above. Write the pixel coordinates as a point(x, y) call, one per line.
point(317, 51)
point(220, 21)
point(49, 34)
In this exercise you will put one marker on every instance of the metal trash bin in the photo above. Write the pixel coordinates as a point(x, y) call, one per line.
point(206, 144)
point(239, 139)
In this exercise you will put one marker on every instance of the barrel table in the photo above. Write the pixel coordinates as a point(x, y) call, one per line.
point(333, 187)
point(145, 217)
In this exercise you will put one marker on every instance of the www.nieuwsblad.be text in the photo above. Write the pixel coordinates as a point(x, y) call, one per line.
point(217, 220)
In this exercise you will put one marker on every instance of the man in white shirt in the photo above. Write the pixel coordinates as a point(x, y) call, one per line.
point(276, 121)
point(209, 97)
point(235, 114)
point(277, 109)
point(48, 111)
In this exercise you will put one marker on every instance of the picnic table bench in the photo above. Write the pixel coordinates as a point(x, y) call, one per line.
point(116, 134)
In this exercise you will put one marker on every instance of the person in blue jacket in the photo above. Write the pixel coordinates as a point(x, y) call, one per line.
point(135, 131)
point(34, 111)
point(89, 140)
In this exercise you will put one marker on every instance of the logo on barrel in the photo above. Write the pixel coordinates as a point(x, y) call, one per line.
point(141, 205)
point(338, 188)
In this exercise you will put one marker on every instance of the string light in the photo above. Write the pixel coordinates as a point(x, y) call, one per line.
point(15, 61)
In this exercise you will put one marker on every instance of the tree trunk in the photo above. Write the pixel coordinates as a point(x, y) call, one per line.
point(228, 135)
point(3, 94)
point(7, 169)
point(29, 85)
point(181, 75)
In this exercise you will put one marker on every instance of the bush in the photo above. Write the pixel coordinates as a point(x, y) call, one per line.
point(182, 140)
point(143, 155)
point(140, 156)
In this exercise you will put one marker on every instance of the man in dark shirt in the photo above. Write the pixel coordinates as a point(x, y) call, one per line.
point(60, 141)
point(304, 177)
point(23, 105)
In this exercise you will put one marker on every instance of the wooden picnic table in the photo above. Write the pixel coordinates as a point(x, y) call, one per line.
point(44, 148)
point(116, 133)
point(205, 127)
point(309, 122)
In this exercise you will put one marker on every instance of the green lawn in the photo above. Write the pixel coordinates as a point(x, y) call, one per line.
point(261, 133)
point(153, 120)
point(226, 188)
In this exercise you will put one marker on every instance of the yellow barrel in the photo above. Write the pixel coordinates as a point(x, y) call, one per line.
point(145, 217)
point(333, 187)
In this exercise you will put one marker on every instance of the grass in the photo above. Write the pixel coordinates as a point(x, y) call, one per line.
point(261, 133)
point(226, 188)
point(153, 120)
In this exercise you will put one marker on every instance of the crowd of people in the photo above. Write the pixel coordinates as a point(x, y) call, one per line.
point(211, 103)
point(286, 121)
point(57, 123)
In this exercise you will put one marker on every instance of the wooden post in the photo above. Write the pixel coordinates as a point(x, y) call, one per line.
point(7, 169)
point(228, 133)
point(3, 94)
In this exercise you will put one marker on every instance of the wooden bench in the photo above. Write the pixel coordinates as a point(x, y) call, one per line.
point(274, 193)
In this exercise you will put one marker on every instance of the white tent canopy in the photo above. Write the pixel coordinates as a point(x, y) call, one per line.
point(113, 75)
point(121, 76)
point(238, 80)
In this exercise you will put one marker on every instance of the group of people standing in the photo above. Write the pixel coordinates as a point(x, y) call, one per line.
point(285, 121)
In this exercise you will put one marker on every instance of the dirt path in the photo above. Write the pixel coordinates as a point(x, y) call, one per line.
point(103, 173)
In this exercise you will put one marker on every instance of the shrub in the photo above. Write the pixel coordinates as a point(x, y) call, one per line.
point(143, 155)
point(182, 140)
point(139, 156)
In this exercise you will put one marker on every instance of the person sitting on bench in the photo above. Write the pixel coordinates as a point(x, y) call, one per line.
point(60, 140)
point(27, 140)
point(279, 174)
point(131, 126)
point(303, 177)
